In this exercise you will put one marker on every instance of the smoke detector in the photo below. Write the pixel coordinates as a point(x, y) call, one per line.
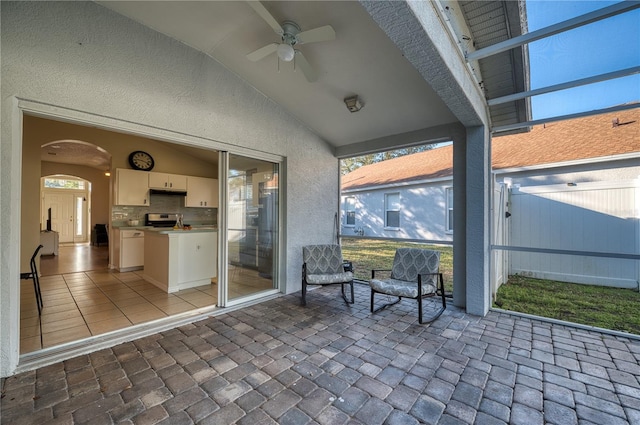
point(353, 103)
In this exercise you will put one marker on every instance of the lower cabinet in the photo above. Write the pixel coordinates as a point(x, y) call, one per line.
point(129, 249)
point(198, 257)
point(176, 260)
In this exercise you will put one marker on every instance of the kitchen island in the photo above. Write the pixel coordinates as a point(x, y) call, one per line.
point(180, 259)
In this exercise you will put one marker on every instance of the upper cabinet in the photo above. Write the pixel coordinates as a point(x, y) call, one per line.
point(167, 181)
point(201, 192)
point(132, 187)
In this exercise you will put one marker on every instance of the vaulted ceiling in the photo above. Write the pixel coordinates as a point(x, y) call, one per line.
point(362, 60)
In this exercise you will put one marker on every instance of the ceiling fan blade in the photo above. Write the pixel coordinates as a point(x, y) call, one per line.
point(264, 14)
point(301, 62)
point(262, 52)
point(324, 33)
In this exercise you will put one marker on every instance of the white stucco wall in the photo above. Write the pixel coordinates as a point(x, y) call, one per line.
point(84, 57)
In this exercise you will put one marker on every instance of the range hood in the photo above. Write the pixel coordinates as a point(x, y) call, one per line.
point(167, 192)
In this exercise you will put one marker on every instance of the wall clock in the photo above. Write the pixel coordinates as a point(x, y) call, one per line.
point(140, 160)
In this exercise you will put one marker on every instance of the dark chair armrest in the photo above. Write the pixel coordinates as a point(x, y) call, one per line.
point(373, 272)
point(439, 274)
point(348, 266)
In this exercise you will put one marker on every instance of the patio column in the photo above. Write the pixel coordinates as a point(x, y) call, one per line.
point(418, 30)
point(476, 193)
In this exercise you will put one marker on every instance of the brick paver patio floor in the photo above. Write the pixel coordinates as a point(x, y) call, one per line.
point(330, 363)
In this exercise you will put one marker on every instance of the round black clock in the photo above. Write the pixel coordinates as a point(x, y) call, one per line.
point(140, 160)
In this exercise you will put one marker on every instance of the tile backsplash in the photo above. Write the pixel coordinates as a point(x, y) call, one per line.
point(120, 214)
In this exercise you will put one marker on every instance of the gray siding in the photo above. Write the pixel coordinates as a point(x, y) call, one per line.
point(422, 213)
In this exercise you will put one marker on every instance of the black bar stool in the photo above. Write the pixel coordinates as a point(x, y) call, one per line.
point(36, 285)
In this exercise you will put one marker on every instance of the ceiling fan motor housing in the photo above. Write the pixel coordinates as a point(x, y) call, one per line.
point(291, 29)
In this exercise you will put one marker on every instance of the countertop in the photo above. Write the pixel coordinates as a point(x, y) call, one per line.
point(157, 229)
point(170, 230)
point(125, 227)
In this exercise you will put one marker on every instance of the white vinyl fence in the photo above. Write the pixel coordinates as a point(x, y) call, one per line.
point(596, 217)
point(500, 236)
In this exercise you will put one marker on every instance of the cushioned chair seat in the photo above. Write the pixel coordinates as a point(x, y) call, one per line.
point(326, 279)
point(401, 288)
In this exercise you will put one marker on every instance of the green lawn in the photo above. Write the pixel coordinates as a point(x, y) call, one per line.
point(609, 308)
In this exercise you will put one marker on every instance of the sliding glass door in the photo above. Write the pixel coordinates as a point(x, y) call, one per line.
point(252, 223)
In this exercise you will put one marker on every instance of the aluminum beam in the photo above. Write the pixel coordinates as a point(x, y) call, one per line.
point(563, 86)
point(516, 126)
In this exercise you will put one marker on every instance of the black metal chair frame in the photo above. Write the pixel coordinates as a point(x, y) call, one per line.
point(36, 285)
point(439, 291)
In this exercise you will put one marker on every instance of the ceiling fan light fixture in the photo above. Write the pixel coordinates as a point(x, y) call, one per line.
point(285, 52)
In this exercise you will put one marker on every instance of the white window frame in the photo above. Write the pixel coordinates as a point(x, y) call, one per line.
point(448, 216)
point(349, 201)
point(387, 210)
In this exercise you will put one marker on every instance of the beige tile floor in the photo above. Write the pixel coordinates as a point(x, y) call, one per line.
point(79, 305)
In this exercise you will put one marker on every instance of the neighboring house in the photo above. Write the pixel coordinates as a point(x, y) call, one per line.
point(572, 185)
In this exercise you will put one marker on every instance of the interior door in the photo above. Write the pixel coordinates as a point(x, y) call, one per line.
point(62, 214)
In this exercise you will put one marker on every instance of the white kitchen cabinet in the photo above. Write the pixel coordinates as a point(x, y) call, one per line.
point(202, 192)
point(180, 259)
point(128, 249)
point(198, 256)
point(132, 187)
point(131, 249)
point(167, 181)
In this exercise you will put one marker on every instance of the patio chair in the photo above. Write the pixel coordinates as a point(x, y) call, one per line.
point(324, 265)
point(414, 274)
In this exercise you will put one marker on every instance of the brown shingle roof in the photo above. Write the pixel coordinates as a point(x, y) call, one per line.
point(578, 139)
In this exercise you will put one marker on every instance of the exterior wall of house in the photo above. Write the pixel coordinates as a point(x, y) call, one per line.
point(423, 213)
point(619, 169)
point(80, 56)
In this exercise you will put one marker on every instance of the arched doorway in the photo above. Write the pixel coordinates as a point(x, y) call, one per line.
point(73, 199)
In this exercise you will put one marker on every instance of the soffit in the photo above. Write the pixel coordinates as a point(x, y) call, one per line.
point(491, 22)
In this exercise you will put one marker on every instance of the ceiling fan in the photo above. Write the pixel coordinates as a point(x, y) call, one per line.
point(291, 35)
